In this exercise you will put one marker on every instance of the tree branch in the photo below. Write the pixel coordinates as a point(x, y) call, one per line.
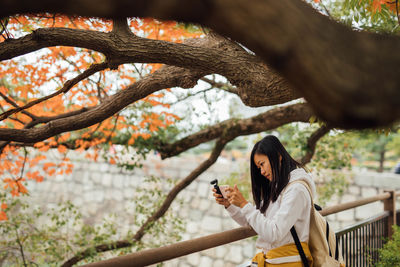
point(213, 54)
point(328, 63)
point(160, 211)
point(268, 120)
point(312, 142)
point(163, 78)
point(67, 86)
point(223, 86)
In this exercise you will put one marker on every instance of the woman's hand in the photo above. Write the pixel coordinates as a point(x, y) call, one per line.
point(220, 200)
point(235, 197)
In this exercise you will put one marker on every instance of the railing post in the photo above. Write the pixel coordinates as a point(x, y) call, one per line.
point(390, 205)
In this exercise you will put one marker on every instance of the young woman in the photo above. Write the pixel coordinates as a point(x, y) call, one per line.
point(276, 208)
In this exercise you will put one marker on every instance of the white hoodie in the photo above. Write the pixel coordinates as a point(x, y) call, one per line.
point(273, 227)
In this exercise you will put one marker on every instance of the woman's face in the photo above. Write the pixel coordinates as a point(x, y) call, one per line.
point(262, 163)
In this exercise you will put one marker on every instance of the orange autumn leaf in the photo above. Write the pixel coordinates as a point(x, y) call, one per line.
point(21, 188)
point(3, 206)
point(48, 165)
point(3, 216)
point(112, 160)
point(62, 149)
point(52, 68)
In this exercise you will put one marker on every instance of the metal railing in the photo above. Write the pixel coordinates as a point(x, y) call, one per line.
point(359, 243)
point(355, 243)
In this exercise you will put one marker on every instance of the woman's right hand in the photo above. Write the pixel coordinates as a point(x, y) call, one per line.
point(220, 200)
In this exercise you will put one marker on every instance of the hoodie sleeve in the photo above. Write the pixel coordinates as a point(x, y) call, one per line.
point(295, 204)
point(237, 215)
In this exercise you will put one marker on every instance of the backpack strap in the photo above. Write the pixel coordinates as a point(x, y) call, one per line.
point(303, 182)
point(299, 247)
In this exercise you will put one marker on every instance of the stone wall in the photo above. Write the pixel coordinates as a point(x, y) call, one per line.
point(99, 188)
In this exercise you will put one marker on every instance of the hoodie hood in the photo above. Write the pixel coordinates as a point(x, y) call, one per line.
point(301, 174)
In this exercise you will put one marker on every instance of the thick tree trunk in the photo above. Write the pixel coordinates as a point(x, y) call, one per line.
point(337, 70)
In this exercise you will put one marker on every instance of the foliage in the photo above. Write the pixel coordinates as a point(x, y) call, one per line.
point(379, 16)
point(332, 157)
point(241, 179)
point(389, 255)
point(39, 82)
point(32, 236)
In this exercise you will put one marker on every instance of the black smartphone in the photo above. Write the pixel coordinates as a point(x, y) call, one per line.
point(215, 183)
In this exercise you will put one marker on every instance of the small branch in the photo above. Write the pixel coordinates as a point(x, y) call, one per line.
point(23, 165)
point(121, 27)
point(224, 86)
point(11, 102)
point(113, 130)
point(220, 144)
point(190, 95)
point(67, 86)
point(166, 77)
point(312, 142)
point(268, 120)
point(21, 249)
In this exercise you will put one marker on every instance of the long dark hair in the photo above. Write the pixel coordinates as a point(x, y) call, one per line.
point(265, 191)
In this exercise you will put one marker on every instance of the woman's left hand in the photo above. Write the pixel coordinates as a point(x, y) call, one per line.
point(235, 197)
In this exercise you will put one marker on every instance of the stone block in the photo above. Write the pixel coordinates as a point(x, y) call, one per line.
point(129, 192)
point(195, 215)
point(348, 198)
point(77, 201)
point(204, 204)
point(368, 192)
point(116, 195)
point(192, 186)
point(346, 216)
point(331, 218)
point(194, 204)
point(193, 259)
point(192, 227)
point(170, 263)
point(106, 179)
point(98, 196)
point(211, 253)
point(216, 209)
point(249, 250)
point(368, 210)
point(59, 178)
point(205, 261)
point(234, 254)
point(221, 251)
point(211, 223)
point(218, 263)
point(104, 167)
point(117, 181)
point(203, 190)
point(353, 190)
point(184, 264)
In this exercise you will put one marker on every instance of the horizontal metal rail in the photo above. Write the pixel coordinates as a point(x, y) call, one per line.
point(155, 255)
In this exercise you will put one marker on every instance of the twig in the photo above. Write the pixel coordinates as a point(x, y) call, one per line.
point(67, 86)
point(21, 249)
point(220, 144)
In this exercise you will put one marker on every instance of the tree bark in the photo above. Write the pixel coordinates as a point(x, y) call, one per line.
point(336, 69)
point(265, 121)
